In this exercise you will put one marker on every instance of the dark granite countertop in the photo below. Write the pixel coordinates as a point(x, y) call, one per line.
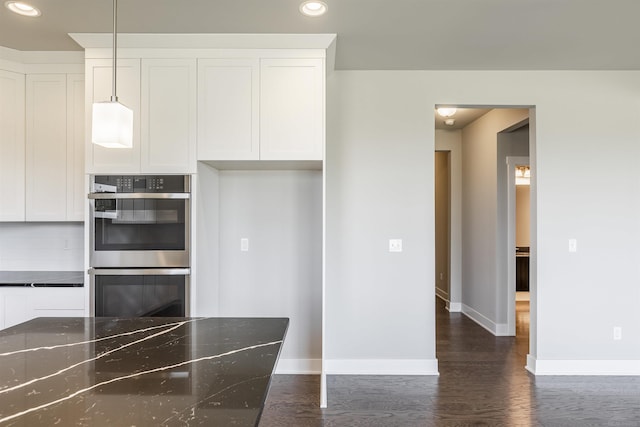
point(137, 372)
point(42, 278)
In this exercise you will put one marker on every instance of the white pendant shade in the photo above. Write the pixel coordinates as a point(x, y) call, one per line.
point(112, 125)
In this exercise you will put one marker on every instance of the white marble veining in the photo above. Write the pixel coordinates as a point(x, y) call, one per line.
point(92, 359)
point(200, 371)
point(136, 374)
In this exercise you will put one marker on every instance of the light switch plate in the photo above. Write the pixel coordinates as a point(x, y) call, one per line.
point(395, 245)
point(573, 245)
point(244, 244)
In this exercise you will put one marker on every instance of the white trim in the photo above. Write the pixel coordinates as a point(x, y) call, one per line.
point(205, 41)
point(381, 366)
point(512, 162)
point(531, 364)
point(442, 294)
point(147, 53)
point(497, 329)
point(299, 366)
point(583, 367)
point(454, 307)
point(36, 62)
point(42, 57)
point(502, 330)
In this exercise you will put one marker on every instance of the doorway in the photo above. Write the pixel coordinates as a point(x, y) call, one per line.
point(480, 254)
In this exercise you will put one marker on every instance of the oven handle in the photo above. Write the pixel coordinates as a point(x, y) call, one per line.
point(140, 271)
point(107, 196)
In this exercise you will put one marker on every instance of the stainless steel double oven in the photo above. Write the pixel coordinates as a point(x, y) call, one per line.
point(139, 237)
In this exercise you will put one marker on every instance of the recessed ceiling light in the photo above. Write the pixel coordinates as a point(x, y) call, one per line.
point(313, 8)
point(22, 8)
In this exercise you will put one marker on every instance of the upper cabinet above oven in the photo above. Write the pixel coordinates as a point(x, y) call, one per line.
point(260, 99)
point(261, 109)
point(162, 95)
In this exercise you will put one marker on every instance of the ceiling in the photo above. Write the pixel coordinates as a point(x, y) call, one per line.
point(462, 117)
point(373, 34)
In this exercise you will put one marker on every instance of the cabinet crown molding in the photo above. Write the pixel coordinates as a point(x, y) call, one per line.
point(206, 41)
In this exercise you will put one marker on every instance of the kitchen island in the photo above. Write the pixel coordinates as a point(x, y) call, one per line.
point(137, 371)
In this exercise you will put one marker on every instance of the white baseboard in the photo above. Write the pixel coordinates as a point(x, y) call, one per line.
point(455, 307)
point(502, 330)
point(583, 367)
point(452, 307)
point(299, 366)
point(381, 367)
point(497, 329)
point(442, 294)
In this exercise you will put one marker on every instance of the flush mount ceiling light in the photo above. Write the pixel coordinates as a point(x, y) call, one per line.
point(447, 111)
point(313, 8)
point(112, 122)
point(22, 8)
point(450, 122)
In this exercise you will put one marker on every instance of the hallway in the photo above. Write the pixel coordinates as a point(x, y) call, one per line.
point(482, 382)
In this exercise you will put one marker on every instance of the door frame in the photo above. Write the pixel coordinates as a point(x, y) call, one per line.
point(512, 162)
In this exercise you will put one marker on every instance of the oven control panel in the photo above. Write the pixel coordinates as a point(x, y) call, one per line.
point(141, 183)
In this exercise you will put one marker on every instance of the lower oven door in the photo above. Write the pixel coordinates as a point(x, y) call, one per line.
point(140, 292)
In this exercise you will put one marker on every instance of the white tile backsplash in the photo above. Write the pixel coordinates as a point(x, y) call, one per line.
point(38, 246)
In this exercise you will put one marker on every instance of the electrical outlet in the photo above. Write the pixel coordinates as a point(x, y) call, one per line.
point(244, 244)
point(573, 245)
point(395, 245)
point(617, 333)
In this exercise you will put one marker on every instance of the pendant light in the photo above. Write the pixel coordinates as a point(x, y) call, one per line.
point(112, 122)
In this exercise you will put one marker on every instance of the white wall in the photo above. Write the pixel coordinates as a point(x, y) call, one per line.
point(451, 141)
point(442, 223)
point(379, 172)
point(280, 213)
point(509, 143)
point(380, 185)
point(523, 215)
point(41, 246)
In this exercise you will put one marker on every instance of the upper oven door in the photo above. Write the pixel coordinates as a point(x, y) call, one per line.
point(139, 229)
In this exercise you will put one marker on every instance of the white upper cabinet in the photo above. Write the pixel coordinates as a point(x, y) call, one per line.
point(261, 109)
point(46, 154)
point(291, 109)
point(12, 147)
point(162, 95)
point(228, 109)
point(168, 130)
point(76, 189)
point(99, 87)
point(55, 147)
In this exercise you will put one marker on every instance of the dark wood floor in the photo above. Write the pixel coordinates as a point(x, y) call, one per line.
point(482, 382)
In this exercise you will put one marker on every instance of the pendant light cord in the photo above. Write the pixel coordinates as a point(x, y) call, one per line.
point(114, 98)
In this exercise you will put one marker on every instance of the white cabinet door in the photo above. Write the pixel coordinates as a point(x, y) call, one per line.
point(228, 109)
point(291, 109)
point(12, 146)
point(46, 147)
point(20, 304)
point(98, 85)
point(168, 138)
point(76, 191)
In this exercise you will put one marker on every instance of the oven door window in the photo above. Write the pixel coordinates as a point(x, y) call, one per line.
point(140, 296)
point(140, 224)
